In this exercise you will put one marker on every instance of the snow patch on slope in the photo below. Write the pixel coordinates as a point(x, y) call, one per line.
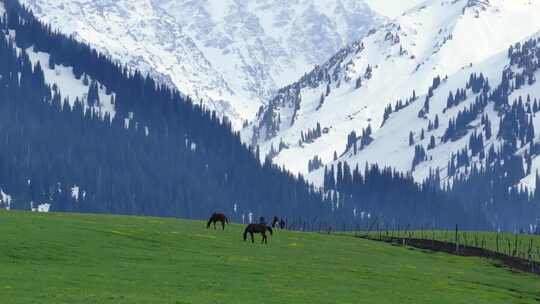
point(40, 208)
point(69, 86)
point(5, 200)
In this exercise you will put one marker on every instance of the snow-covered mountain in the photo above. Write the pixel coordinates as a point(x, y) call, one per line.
point(392, 8)
point(426, 53)
point(81, 133)
point(231, 54)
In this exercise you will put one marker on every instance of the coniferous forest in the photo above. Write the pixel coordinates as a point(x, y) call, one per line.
point(188, 164)
point(483, 177)
point(161, 154)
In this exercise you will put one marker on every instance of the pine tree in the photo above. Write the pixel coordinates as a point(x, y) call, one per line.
point(52, 65)
point(328, 89)
point(432, 143)
point(321, 102)
point(530, 130)
point(93, 95)
point(359, 83)
point(537, 186)
point(487, 128)
point(450, 101)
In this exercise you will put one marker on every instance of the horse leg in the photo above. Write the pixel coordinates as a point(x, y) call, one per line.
point(215, 224)
point(252, 238)
point(263, 241)
point(223, 224)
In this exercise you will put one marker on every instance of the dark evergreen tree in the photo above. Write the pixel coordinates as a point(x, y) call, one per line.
point(432, 143)
point(419, 155)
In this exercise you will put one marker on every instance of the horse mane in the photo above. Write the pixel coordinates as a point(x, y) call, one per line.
point(210, 220)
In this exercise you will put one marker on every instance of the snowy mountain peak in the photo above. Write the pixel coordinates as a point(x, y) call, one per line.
point(230, 54)
point(431, 50)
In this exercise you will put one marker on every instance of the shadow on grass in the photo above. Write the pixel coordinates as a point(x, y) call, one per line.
point(514, 263)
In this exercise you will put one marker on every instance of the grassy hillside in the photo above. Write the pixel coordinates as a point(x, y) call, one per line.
point(65, 258)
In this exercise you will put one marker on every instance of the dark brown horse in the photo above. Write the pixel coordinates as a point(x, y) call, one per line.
point(277, 222)
point(217, 217)
point(257, 228)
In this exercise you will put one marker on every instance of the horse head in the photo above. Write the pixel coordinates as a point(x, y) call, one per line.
point(246, 232)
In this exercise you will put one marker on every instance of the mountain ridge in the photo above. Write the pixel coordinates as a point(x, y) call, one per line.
point(398, 60)
point(230, 55)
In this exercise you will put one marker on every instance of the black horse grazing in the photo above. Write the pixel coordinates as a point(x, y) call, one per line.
point(257, 228)
point(217, 217)
point(277, 222)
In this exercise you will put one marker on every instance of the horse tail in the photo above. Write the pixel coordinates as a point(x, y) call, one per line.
point(226, 220)
point(245, 233)
point(270, 229)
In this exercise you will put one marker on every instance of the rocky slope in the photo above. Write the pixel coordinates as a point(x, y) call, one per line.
point(230, 54)
point(426, 53)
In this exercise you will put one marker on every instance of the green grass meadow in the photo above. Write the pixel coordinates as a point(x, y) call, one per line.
point(67, 258)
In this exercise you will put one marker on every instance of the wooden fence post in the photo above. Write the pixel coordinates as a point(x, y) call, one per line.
point(457, 240)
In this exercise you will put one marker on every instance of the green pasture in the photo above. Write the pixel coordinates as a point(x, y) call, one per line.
point(67, 258)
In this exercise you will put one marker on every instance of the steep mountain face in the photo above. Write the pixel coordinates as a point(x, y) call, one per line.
point(83, 134)
point(340, 110)
point(446, 94)
point(230, 54)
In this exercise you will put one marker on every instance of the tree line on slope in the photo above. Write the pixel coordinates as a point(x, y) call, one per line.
point(494, 183)
point(487, 175)
point(484, 176)
point(173, 158)
point(367, 195)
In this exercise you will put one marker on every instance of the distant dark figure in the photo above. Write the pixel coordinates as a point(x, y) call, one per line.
point(262, 221)
point(217, 217)
point(278, 223)
point(257, 228)
point(275, 222)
